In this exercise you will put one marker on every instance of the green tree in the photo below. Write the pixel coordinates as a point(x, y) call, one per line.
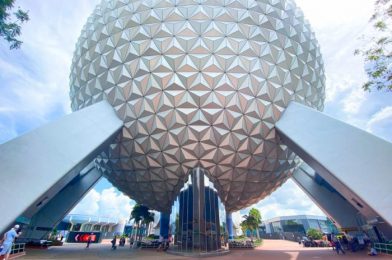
point(377, 52)
point(147, 219)
point(177, 223)
point(249, 223)
point(223, 227)
point(255, 213)
point(314, 234)
point(141, 214)
point(244, 226)
point(10, 28)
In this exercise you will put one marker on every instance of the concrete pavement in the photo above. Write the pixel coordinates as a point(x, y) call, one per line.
point(271, 249)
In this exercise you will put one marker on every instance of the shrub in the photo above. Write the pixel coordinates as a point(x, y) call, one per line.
point(314, 234)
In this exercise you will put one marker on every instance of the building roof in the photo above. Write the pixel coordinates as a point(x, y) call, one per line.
point(275, 219)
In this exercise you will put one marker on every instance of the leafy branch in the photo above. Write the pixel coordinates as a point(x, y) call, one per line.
point(378, 53)
point(10, 29)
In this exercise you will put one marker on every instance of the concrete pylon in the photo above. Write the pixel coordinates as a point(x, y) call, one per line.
point(355, 163)
point(51, 214)
point(229, 225)
point(164, 225)
point(335, 206)
point(36, 166)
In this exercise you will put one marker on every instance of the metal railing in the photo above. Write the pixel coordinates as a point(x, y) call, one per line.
point(383, 248)
point(18, 249)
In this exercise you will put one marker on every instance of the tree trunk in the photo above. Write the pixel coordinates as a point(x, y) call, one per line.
point(150, 228)
point(135, 243)
point(147, 229)
point(137, 233)
point(140, 232)
point(257, 233)
point(133, 234)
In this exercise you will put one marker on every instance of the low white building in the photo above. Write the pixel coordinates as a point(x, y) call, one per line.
point(86, 223)
point(298, 223)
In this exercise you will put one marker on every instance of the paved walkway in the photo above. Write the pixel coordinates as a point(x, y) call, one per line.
point(271, 249)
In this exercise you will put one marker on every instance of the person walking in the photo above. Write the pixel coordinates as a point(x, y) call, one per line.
point(89, 239)
point(160, 243)
point(338, 246)
point(165, 244)
point(373, 251)
point(122, 241)
point(8, 240)
point(114, 241)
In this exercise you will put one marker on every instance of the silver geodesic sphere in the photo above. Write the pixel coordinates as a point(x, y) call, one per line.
point(197, 83)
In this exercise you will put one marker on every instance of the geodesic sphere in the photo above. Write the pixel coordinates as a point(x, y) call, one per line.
point(198, 83)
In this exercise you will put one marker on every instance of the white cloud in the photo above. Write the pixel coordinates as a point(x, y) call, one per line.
point(336, 86)
point(381, 123)
point(287, 200)
point(327, 14)
point(35, 79)
point(24, 93)
point(108, 203)
point(89, 205)
point(338, 26)
point(354, 100)
point(113, 203)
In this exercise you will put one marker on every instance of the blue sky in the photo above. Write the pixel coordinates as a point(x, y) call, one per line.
point(34, 85)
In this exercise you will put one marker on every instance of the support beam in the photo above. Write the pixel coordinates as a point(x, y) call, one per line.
point(34, 167)
point(198, 208)
point(357, 164)
point(164, 225)
point(328, 199)
point(229, 225)
point(50, 215)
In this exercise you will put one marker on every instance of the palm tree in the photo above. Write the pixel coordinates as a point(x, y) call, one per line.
point(244, 227)
point(147, 219)
point(255, 213)
point(136, 216)
point(140, 214)
point(249, 223)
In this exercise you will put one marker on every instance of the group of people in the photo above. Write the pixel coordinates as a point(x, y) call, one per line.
point(337, 245)
point(163, 243)
point(114, 242)
point(7, 240)
point(340, 244)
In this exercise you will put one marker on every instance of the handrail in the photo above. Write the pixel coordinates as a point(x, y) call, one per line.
point(18, 248)
point(383, 248)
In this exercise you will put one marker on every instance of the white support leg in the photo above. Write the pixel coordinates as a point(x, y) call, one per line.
point(356, 163)
point(34, 167)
